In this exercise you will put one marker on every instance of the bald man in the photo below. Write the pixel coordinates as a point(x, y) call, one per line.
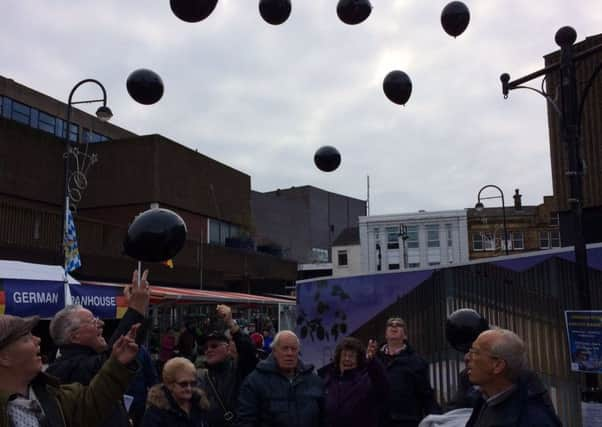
point(282, 391)
point(495, 363)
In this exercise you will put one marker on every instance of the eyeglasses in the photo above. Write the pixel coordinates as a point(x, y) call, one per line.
point(186, 384)
point(476, 352)
point(395, 324)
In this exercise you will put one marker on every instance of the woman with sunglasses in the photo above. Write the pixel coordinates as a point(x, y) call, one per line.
point(178, 402)
point(356, 385)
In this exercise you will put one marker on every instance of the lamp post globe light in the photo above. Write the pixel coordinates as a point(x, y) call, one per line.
point(75, 181)
point(569, 109)
point(479, 206)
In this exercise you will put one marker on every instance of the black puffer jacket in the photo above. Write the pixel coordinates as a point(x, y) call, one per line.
point(163, 411)
point(79, 364)
point(411, 397)
point(270, 399)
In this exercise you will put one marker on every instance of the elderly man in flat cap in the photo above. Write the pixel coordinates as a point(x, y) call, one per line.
point(31, 398)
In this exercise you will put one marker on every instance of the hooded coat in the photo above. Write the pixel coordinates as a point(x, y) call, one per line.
point(162, 410)
point(270, 399)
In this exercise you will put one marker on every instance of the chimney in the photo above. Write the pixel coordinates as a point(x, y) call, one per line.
point(518, 204)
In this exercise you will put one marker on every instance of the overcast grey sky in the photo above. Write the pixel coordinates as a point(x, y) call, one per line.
point(263, 98)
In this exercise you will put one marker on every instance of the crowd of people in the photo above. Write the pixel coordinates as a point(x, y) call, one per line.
point(94, 382)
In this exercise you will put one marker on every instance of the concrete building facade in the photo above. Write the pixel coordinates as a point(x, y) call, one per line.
point(413, 240)
point(303, 222)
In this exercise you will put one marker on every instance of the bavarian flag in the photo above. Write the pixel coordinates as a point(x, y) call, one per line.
point(72, 260)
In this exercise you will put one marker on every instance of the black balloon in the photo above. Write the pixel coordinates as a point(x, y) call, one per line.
point(455, 18)
point(397, 87)
point(145, 86)
point(275, 12)
point(327, 158)
point(192, 10)
point(155, 235)
point(353, 12)
point(463, 326)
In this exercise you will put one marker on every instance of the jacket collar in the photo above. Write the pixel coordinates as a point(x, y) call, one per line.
point(70, 350)
point(159, 396)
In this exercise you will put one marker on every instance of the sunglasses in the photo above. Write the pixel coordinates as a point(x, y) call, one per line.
point(396, 324)
point(185, 384)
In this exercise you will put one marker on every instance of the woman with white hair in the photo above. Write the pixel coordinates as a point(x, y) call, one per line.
point(178, 402)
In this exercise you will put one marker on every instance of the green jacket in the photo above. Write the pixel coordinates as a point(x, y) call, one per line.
point(75, 405)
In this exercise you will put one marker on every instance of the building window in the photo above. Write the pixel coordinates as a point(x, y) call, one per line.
point(412, 241)
point(393, 266)
point(544, 240)
point(554, 219)
point(414, 265)
point(376, 234)
point(549, 239)
point(92, 137)
point(342, 258)
point(46, 122)
point(448, 228)
point(432, 235)
point(20, 113)
point(518, 240)
point(392, 237)
point(483, 241)
point(434, 263)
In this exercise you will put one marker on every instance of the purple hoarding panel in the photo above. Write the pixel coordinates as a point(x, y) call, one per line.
point(330, 309)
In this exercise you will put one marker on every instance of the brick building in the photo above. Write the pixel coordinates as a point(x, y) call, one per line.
point(133, 174)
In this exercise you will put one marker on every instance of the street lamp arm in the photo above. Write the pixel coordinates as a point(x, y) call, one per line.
point(104, 92)
point(490, 186)
point(545, 95)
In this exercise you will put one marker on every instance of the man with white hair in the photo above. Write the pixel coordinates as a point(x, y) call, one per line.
point(84, 350)
point(282, 391)
point(496, 361)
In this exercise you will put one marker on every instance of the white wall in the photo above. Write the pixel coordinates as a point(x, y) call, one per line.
point(448, 251)
point(353, 266)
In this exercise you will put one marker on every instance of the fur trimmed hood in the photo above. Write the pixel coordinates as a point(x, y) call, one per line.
point(159, 396)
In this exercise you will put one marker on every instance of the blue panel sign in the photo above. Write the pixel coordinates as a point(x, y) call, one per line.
point(584, 332)
point(102, 301)
point(32, 297)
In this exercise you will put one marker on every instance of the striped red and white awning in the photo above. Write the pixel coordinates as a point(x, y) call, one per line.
point(160, 294)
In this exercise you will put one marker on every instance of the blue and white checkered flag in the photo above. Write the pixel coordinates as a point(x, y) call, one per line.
point(72, 260)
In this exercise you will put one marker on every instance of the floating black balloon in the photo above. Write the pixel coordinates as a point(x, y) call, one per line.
point(155, 235)
point(397, 87)
point(327, 158)
point(353, 12)
point(275, 12)
point(192, 10)
point(145, 86)
point(455, 18)
point(463, 326)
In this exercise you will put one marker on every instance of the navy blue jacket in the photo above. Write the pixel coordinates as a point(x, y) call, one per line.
point(411, 396)
point(270, 399)
point(528, 406)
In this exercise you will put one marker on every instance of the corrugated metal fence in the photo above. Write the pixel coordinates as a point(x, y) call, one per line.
point(531, 303)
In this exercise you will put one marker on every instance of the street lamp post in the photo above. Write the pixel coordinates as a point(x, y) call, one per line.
point(79, 178)
point(403, 235)
point(570, 112)
point(479, 207)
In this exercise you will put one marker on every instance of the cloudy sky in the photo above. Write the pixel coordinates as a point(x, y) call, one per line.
point(263, 98)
